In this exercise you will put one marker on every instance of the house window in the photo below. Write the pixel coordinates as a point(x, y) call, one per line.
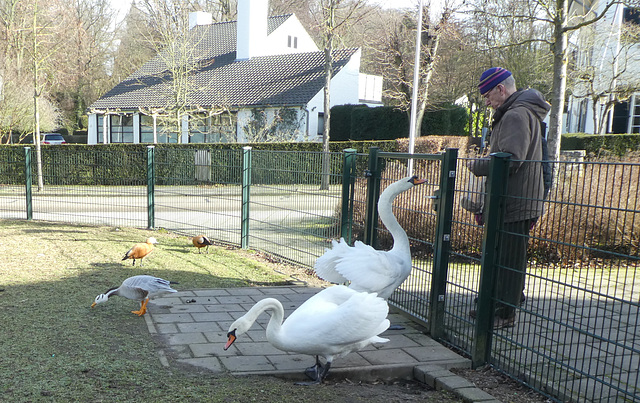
point(146, 129)
point(292, 42)
point(320, 123)
point(631, 16)
point(165, 130)
point(212, 129)
point(100, 127)
point(122, 128)
point(634, 127)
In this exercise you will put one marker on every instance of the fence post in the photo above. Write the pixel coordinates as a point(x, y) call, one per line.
point(246, 187)
point(373, 193)
point(151, 174)
point(442, 242)
point(27, 182)
point(493, 214)
point(346, 216)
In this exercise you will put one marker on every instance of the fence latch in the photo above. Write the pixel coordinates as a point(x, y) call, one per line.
point(436, 196)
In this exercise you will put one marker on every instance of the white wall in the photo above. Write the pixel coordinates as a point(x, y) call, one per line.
point(251, 28)
point(278, 40)
point(601, 48)
point(344, 90)
point(92, 130)
point(370, 89)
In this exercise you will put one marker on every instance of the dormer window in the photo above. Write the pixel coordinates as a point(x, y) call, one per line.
point(292, 42)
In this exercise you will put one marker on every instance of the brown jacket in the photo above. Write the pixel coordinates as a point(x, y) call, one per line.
point(516, 130)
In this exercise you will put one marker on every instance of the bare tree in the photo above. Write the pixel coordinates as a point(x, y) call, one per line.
point(606, 71)
point(176, 48)
point(558, 18)
point(332, 16)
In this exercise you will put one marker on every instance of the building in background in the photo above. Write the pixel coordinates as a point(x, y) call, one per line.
point(256, 79)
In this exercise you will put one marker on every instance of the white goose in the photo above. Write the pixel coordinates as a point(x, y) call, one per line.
point(366, 268)
point(333, 323)
point(138, 288)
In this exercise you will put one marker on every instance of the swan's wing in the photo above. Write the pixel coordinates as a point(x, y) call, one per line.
point(368, 269)
point(338, 316)
point(325, 266)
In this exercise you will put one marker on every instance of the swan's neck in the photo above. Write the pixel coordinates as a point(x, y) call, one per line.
point(385, 211)
point(274, 307)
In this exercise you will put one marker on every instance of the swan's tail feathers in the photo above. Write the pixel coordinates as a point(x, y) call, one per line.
point(378, 340)
point(325, 266)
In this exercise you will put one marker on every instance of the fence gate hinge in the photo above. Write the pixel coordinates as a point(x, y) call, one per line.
point(446, 237)
point(452, 174)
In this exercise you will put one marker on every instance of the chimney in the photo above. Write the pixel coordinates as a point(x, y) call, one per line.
point(251, 28)
point(199, 18)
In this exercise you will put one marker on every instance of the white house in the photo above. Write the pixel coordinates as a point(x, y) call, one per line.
point(605, 94)
point(254, 79)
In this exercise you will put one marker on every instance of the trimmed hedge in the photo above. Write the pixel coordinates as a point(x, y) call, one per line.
point(618, 144)
point(125, 164)
point(359, 122)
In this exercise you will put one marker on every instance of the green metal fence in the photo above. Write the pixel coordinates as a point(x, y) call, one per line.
point(575, 338)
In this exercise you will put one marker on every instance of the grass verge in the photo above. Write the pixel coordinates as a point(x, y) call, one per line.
point(54, 347)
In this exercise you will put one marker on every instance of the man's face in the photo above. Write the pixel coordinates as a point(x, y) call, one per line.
point(495, 96)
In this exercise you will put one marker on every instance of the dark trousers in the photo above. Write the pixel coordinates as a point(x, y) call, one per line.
point(512, 267)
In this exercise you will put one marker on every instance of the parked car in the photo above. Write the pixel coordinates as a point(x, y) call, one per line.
point(52, 138)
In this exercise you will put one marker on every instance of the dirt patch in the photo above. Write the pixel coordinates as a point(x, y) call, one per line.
point(500, 386)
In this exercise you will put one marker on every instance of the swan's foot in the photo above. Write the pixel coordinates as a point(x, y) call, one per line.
point(320, 371)
point(396, 327)
point(314, 371)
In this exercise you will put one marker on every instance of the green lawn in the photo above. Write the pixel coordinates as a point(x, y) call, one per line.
point(54, 347)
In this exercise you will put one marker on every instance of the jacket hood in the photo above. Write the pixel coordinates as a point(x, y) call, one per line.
point(531, 99)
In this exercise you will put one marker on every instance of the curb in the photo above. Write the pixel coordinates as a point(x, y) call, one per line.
point(441, 378)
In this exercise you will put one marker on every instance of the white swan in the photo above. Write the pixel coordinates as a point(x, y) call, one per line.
point(366, 268)
point(333, 323)
point(138, 288)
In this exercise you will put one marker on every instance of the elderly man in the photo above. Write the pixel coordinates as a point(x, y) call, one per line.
point(516, 129)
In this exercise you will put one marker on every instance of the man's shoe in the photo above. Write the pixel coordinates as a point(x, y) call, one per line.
point(501, 323)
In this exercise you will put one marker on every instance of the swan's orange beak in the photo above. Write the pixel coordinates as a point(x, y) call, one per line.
point(231, 337)
point(416, 181)
point(93, 305)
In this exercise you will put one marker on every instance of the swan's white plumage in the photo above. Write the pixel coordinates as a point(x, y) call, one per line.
point(368, 269)
point(333, 323)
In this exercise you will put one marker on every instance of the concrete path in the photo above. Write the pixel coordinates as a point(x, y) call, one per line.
point(194, 324)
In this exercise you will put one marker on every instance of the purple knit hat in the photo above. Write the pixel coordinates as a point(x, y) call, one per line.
point(492, 77)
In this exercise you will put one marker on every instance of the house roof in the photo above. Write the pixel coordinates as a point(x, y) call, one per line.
point(218, 79)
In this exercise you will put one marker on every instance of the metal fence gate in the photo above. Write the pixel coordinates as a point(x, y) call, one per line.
point(576, 335)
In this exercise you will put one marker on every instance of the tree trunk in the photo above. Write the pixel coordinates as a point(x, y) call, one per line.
point(36, 100)
point(559, 80)
point(328, 73)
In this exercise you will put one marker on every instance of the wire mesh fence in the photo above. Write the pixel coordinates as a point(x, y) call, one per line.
point(575, 337)
point(12, 185)
point(575, 334)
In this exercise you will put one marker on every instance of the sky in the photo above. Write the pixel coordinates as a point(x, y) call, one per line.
point(122, 6)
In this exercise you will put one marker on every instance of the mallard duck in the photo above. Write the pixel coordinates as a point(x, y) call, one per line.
point(201, 241)
point(138, 288)
point(368, 269)
point(140, 250)
point(331, 324)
